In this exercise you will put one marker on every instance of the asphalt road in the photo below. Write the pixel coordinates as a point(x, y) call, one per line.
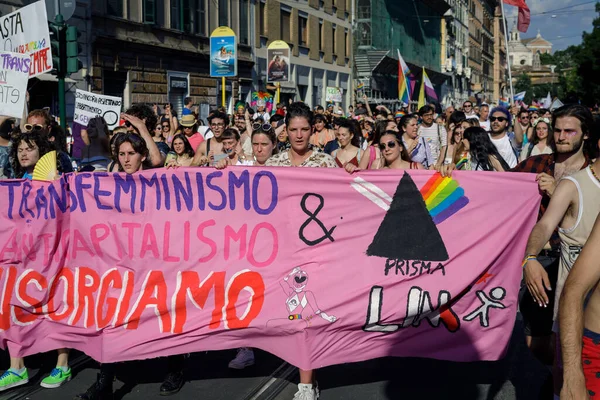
point(517, 377)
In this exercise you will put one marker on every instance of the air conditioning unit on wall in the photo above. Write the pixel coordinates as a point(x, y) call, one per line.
point(449, 64)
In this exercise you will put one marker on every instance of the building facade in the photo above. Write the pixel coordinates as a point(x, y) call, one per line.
point(455, 51)
point(386, 27)
point(481, 48)
point(320, 36)
point(500, 60)
point(157, 51)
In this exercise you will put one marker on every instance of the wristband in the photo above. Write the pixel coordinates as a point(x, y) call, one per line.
point(529, 257)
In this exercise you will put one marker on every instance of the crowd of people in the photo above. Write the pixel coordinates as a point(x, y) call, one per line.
point(560, 147)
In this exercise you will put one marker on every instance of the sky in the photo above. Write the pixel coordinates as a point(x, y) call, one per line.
point(564, 29)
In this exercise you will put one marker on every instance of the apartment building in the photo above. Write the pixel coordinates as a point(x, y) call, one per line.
point(319, 33)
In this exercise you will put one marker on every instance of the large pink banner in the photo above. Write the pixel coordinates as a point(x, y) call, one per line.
point(317, 267)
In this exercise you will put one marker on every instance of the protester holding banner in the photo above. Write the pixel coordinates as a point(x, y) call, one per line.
point(232, 149)
point(141, 120)
point(264, 144)
point(483, 154)
point(416, 146)
point(299, 121)
point(42, 120)
point(394, 154)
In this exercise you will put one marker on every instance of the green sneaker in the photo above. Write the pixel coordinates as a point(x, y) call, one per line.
point(57, 378)
point(10, 379)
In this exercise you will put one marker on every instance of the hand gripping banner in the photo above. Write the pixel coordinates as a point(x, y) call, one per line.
point(317, 268)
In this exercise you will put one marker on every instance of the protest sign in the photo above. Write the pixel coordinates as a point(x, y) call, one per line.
point(278, 56)
point(333, 94)
point(26, 31)
point(14, 74)
point(318, 269)
point(89, 105)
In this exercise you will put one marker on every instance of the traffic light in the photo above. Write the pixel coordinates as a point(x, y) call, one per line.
point(72, 50)
point(57, 45)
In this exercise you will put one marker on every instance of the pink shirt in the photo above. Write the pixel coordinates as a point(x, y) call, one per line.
point(195, 140)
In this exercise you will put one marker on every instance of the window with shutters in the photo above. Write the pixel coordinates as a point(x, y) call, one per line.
point(244, 7)
point(302, 30)
point(223, 12)
point(149, 10)
point(286, 18)
point(176, 14)
point(114, 8)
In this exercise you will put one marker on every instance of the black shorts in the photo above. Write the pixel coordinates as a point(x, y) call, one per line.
point(538, 320)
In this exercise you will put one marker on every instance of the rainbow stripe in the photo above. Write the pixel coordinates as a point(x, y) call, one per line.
point(461, 163)
point(443, 198)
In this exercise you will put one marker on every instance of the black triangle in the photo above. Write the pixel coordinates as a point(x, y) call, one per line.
point(407, 231)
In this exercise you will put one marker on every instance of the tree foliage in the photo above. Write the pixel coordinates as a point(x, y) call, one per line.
point(586, 59)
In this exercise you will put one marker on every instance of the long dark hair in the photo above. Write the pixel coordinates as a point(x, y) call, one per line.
point(99, 131)
point(404, 153)
point(481, 148)
point(354, 129)
point(34, 137)
point(187, 147)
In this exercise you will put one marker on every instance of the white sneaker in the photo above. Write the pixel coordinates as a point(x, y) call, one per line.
point(244, 358)
point(307, 392)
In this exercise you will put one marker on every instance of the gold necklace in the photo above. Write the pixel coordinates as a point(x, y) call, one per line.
point(594, 173)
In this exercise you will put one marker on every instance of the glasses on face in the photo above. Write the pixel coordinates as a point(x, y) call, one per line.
point(501, 119)
point(525, 117)
point(218, 125)
point(389, 145)
point(158, 127)
point(467, 106)
point(166, 127)
point(263, 127)
point(30, 127)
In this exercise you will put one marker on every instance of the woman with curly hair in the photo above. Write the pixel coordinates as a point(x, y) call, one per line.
point(483, 155)
point(26, 150)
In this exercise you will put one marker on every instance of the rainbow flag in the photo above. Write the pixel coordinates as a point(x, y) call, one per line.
point(504, 102)
point(461, 163)
point(404, 84)
point(443, 197)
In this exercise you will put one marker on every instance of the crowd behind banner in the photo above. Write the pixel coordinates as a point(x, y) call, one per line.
point(471, 137)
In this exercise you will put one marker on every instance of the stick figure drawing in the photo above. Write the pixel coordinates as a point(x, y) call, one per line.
point(301, 304)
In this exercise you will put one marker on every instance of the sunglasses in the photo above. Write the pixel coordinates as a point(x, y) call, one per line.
point(263, 127)
point(501, 119)
point(467, 106)
point(389, 145)
point(30, 127)
point(166, 126)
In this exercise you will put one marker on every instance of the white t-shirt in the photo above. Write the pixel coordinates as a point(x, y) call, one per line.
point(265, 116)
point(485, 125)
point(432, 138)
point(506, 150)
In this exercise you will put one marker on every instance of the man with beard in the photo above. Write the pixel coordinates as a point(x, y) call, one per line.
point(572, 153)
point(573, 209)
point(504, 142)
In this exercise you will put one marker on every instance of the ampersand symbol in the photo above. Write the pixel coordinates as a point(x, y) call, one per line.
point(313, 217)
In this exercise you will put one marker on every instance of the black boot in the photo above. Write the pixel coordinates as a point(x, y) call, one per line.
point(102, 389)
point(172, 383)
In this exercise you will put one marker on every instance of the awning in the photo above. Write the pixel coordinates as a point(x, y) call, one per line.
point(52, 78)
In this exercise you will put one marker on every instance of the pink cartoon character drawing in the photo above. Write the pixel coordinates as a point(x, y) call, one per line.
point(301, 304)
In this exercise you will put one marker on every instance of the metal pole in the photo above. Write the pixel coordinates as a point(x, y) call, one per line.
point(512, 92)
point(62, 106)
point(223, 91)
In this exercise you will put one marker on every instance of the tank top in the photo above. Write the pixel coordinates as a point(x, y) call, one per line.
point(572, 240)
